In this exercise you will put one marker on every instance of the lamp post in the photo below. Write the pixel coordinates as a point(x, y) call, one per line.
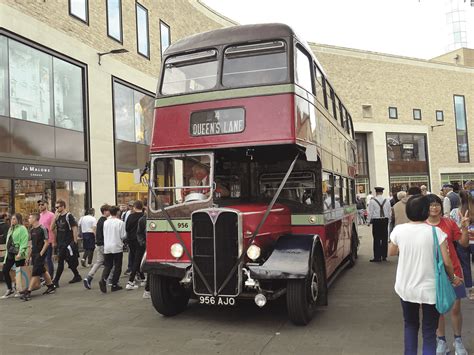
point(113, 51)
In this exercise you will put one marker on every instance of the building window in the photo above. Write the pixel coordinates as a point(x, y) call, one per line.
point(165, 36)
point(79, 9)
point(367, 111)
point(114, 19)
point(392, 113)
point(45, 99)
point(439, 116)
point(417, 114)
point(461, 129)
point(143, 41)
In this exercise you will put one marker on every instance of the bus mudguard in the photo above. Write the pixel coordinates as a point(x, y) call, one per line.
point(176, 270)
point(290, 258)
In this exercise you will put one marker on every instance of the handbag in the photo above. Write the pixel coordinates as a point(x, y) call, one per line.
point(445, 295)
point(13, 249)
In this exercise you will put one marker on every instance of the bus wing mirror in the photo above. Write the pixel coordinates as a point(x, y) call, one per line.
point(311, 153)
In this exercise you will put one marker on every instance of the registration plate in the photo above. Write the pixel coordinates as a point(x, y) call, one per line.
point(217, 300)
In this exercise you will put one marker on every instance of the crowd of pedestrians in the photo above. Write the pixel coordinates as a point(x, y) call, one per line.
point(56, 236)
point(414, 219)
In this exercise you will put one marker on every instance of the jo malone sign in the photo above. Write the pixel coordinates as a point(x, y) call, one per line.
point(33, 171)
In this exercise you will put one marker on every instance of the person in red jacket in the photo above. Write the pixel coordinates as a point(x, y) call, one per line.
point(454, 234)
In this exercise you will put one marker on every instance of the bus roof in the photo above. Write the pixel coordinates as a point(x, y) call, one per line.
point(236, 34)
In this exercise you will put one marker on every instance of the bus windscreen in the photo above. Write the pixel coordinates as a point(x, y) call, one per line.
point(190, 73)
point(257, 64)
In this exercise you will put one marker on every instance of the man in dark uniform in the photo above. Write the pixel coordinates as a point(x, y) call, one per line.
point(379, 216)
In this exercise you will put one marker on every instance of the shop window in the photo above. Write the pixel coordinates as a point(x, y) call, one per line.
point(74, 194)
point(439, 116)
point(30, 84)
point(165, 36)
point(3, 77)
point(68, 101)
point(114, 19)
point(407, 154)
point(27, 194)
point(5, 195)
point(143, 41)
point(392, 113)
point(79, 9)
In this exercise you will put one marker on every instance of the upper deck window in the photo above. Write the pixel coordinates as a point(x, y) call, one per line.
point(303, 71)
point(255, 64)
point(190, 73)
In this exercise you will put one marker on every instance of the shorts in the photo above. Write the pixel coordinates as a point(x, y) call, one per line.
point(38, 265)
point(460, 291)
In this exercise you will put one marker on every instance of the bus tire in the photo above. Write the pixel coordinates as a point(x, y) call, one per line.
point(302, 295)
point(354, 248)
point(168, 297)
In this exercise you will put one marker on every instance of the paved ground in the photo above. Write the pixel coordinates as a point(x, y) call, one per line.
point(364, 317)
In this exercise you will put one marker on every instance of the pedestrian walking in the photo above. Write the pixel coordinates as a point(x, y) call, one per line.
point(46, 219)
point(39, 247)
point(379, 216)
point(64, 227)
point(399, 209)
point(451, 200)
point(99, 241)
point(368, 198)
point(4, 226)
point(141, 238)
point(360, 205)
point(467, 206)
point(415, 279)
point(114, 234)
point(134, 248)
point(454, 235)
point(87, 225)
point(17, 250)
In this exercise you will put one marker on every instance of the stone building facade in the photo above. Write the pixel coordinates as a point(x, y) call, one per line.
point(427, 141)
point(72, 128)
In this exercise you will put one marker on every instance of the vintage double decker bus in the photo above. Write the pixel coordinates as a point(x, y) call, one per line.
point(251, 174)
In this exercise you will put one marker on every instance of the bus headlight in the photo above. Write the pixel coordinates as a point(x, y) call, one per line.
point(253, 252)
point(177, 250)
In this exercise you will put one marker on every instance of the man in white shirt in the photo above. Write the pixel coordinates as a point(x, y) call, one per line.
point(451, 199)
point(87, 226)
point(114, 234)
point(379, 216)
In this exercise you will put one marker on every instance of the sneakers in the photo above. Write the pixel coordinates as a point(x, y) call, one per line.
point(75, 279)
point(26, 296)
point(56, 284)
point(116, 288)
point(8, 294)
point(103, 286)
point(471, 294)
point(50, 290)
point(87, 282)
point(441, 347)
point(146, 294)
point(131, 285)
point(459, 348)
point(143, 283)
point(83, 262)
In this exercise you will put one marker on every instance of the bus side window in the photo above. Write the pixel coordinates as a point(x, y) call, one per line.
point(303, 70)
point(327, 193)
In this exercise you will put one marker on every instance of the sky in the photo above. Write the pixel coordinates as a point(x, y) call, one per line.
point(413, 28)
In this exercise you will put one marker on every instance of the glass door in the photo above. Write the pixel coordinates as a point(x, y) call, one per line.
point(27, 194)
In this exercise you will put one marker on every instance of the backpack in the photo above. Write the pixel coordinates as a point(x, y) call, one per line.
point(382, 213)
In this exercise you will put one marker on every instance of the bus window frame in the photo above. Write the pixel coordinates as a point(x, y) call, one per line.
point(299, 47)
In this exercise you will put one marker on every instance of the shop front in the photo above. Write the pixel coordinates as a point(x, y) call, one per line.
point(22, 185)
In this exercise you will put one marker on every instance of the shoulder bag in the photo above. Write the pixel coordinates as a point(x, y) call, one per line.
point(445, 295)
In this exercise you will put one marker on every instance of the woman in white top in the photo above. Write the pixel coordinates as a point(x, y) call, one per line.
point(415, 280)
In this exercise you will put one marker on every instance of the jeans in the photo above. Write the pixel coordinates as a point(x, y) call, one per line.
point(411, 316)
point(114, 260)
point(98, 262)
point(465, 259)
point(139, 252)
point(49, 260)
point(72, 262)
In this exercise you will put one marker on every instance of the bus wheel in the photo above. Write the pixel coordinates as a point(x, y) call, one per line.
point(302, 295)
point(354, 248)
point(168, 297)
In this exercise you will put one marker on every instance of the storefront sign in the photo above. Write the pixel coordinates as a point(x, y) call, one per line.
point(217, 122)
point(33, 171)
